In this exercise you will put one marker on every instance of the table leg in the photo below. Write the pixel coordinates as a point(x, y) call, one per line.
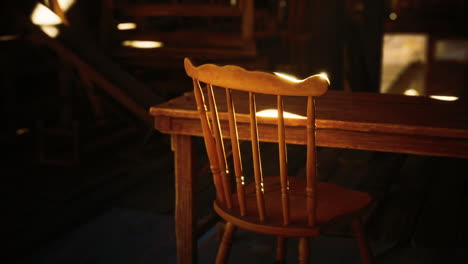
point(185, 202)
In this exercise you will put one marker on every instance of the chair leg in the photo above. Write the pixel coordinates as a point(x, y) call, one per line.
point(280, 250)
point(303, 250)
point(225, 245)
point(220, 228)
point(363, 245)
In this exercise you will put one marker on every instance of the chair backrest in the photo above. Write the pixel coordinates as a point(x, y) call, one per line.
point(254, 82)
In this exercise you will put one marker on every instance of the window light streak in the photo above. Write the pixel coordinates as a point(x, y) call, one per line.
point(324, 75)
point(294, 79)
point(126, 26)
point(51, 31)
point(288, 77)
point(43, 16)
point(444, 97)
point(274, 113)
point(411, 92)
point(142, 44)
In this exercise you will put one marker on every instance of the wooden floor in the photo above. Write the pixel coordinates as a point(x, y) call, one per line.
point(129, 236)
point(120, 208)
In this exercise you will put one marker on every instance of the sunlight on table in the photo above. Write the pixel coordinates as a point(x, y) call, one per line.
point(274, 113)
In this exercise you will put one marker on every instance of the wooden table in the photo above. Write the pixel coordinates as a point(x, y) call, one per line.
point(375, 122)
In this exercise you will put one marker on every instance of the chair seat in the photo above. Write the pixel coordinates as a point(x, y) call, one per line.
point(333, 201)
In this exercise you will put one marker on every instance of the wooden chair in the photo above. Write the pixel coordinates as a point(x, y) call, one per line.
point(278, 205)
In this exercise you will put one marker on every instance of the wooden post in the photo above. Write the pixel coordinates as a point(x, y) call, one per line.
point(185, 193)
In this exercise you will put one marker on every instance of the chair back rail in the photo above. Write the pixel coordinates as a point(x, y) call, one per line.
point(235, 78)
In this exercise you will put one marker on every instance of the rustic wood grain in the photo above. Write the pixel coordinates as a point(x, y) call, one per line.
point(185, 191)
point(392, 123)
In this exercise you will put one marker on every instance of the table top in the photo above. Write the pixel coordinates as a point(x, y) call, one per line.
point(441, 125)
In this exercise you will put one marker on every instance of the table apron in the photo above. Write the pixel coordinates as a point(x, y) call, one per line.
point(363, 140)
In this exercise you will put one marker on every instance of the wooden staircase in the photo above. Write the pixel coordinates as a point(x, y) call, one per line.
point(211, 31)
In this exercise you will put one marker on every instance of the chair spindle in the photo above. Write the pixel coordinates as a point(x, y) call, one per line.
point(216, 127)
point(236, 155)
point(283, 162)
point(209, 141)
point(311, 168)
point(256, 158)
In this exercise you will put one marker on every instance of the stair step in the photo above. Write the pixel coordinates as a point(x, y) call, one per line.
point(180, 38)
point(183, 10)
